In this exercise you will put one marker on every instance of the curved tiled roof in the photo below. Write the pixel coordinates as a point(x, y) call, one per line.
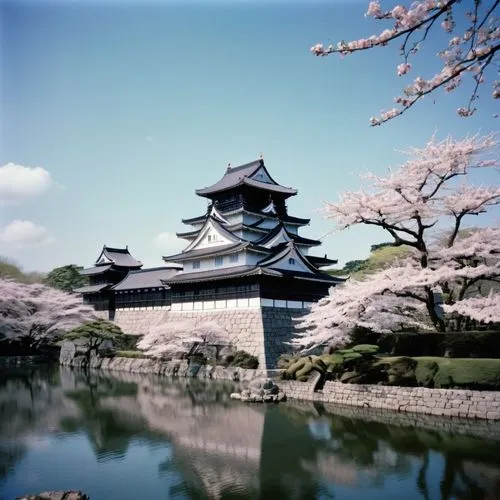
point(146, 278)
point(239, 176)
point(95, 270)
point(281, 227)
point(118, 256)
point(91, 288)
point(205, 252)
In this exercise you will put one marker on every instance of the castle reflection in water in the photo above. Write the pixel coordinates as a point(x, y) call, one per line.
point(201, 444)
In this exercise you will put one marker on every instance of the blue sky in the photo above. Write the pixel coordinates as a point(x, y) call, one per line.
point(130, 106)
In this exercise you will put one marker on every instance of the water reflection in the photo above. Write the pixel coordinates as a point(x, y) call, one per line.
point(136, 436)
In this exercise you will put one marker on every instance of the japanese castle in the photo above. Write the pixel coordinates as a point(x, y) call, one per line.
point(245, 251)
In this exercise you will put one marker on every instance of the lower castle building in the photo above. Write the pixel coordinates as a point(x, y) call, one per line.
point(244, 256)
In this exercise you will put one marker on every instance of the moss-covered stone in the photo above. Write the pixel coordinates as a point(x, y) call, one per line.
point(305, 370)
point(368, 349)
point(401, 371)
point(425, 371)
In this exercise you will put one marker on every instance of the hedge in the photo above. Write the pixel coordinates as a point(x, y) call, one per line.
point(477, 344)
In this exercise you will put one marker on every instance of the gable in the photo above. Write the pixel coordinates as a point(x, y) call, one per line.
point(211, 235)
point(281, 237)
point(270, 209)
point(292, 261)
point(218, 216)
point(261, 175)
point(103, 259)
point(289, 259)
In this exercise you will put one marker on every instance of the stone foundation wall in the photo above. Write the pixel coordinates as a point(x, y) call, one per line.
point(488, 429)
point(138, 322)
point(175, 368)
point(260, 331)
point(441, 402)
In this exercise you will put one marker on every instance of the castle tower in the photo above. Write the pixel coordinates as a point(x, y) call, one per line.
point(245, 264)
point(246, 250)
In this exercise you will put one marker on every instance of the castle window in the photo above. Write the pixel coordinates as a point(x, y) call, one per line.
point(233, 257)
point(209, 238)
point(219, 261)
point(196, 264)
point(291, 261)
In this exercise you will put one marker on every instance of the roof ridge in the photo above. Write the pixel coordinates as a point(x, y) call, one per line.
point(118, 250)
point(158, 268)
point(258, 162)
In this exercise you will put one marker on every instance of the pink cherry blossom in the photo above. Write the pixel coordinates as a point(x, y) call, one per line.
point(176, 337)
point(422, 206)
point(403, 69)
point(374, 9)
point(471, 51)
point(37, 314)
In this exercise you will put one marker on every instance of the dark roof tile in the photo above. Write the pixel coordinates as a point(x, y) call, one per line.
point(241, 175)
point(92, 288)
point(146, 278)
point(119, 257)
point(95, 270)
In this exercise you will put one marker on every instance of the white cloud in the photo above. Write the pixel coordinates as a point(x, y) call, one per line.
point(168, 242)
point(149, 138)
point(18, 182)
point(24, 233)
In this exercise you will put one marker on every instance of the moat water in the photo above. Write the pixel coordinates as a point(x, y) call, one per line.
point(125, 436)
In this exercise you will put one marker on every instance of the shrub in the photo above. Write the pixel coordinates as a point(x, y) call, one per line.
point(327, 364)
point(127, 342)
point(473, 344)
point(286, 360)
point(425, 371)
point(480, 373)
point(366, 349)
point(401, 372)
point(198, 358)
point(243, 359)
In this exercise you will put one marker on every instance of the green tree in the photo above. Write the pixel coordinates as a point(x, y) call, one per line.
point(96, 332)
point(353, 266)
point(66, 278)
point(382, 256)
point(377, 246)
point(10, 270)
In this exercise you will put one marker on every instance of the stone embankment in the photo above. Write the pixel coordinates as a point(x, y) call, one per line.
point(175, 368)
point(56, 495)
point(440, 402)
point(486, 429)
point(484, 405)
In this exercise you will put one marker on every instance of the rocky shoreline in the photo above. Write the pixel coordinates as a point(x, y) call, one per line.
point(456, 403)
point(56, 495)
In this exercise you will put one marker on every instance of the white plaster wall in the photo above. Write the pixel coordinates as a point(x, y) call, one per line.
point(249, 235)
point(285, 265)
point(208, 263)
point(251, 258)
point(216, 239)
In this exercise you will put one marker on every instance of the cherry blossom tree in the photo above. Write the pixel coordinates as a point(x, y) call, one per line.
point(470, 50)
point(35, 315)
point(443, 281)
point(175, 338)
